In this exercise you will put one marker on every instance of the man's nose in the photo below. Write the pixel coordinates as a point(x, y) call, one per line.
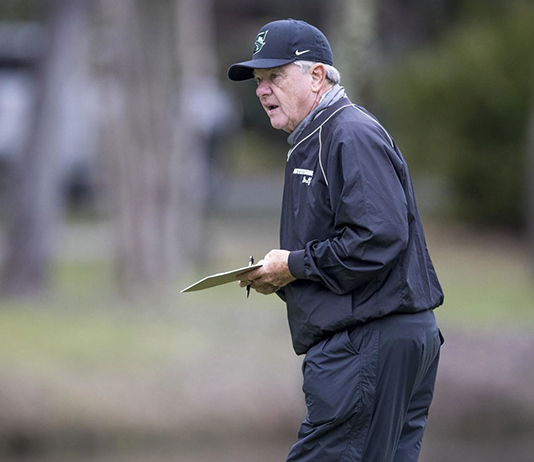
point(263, 89)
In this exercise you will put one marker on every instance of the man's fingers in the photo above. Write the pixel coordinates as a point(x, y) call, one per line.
point(250, 275)
point(266, 289)
point(260, 287)
point(253, 283)
point(271, 276)
point(249, 282)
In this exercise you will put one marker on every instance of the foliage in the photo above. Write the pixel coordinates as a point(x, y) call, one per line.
point(17, 10)
point(461, 109)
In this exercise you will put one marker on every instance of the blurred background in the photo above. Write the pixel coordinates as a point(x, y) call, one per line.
point(130, 167)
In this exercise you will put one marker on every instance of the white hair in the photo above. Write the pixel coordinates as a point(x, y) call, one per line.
point(332, 74)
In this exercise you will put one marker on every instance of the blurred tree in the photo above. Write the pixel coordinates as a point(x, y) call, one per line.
point(529, 182)
point(137, 85)
point(463, 109)
point(201, 111)
point(367, 35)
point(354, 38)
point(159, 56)
point(404, 25)
point(35, 195)
point(21, 10)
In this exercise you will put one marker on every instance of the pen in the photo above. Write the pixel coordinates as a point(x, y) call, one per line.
point(250, 263)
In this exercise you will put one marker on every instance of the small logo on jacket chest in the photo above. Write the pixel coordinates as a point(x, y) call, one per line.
point(306, 174)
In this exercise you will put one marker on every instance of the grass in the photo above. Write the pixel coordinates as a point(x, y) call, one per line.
point(485, 279)
point(86, 325)
point(98, 362)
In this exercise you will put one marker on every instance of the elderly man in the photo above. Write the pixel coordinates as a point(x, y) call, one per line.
point(353, 267)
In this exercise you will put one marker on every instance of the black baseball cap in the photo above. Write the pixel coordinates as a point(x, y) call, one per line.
point(283, 42)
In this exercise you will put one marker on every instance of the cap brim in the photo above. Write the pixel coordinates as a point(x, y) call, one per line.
point(245, 70)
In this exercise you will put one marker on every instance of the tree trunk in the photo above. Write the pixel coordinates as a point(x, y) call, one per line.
point(529, 190)
point(134, 133)
point(35, 195)
point(354, 32)
point(198, 86)
point(157, 150)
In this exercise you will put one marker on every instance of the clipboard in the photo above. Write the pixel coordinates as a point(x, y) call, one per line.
point(220, 278)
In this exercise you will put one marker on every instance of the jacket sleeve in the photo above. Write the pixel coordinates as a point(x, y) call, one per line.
point(363, 172)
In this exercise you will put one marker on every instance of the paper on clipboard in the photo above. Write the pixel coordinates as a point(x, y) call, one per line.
point(219, 278)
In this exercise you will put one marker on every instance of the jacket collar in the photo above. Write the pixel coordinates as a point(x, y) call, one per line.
point(321, 117)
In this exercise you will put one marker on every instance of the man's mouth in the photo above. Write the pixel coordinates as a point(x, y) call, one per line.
point(270, 108)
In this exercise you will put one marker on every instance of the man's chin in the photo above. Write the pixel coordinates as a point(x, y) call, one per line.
point(279, 125)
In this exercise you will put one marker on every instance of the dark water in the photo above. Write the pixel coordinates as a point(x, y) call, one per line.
point(276, 451)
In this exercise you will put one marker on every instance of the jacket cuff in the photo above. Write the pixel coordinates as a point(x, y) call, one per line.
point(296, 264)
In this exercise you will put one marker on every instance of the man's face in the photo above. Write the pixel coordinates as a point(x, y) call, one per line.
point(286, 95)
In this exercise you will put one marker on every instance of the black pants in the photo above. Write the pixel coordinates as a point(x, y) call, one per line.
point(368, 391)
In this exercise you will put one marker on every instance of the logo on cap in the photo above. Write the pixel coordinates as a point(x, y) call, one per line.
point(260, 41)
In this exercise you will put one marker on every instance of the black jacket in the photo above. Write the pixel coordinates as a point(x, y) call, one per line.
point(350, 220)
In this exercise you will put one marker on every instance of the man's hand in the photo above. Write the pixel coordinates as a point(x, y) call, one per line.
point(273, 275)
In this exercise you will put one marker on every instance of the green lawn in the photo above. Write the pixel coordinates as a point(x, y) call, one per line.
point(487, 280)
point(94, 358)
point(486, 283)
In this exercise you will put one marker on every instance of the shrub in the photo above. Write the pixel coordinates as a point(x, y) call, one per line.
point(461, 109)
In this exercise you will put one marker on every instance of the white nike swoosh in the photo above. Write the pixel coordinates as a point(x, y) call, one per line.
point(298, 53)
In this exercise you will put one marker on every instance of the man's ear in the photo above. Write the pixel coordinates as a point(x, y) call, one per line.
point(318, 75)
